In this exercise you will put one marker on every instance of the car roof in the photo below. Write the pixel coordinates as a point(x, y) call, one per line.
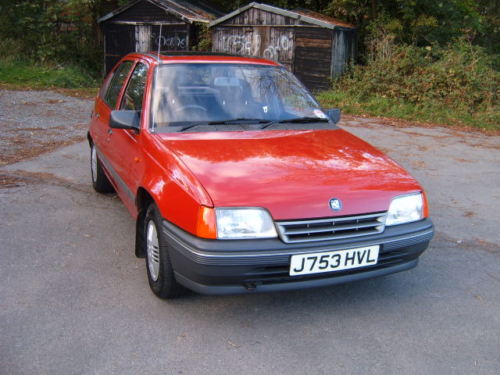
point(197, 57)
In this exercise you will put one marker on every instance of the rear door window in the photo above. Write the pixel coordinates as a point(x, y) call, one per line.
point(133, 97)
point(116, 84)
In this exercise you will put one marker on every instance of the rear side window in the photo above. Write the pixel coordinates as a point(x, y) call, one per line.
point(132, 99)
point(116, 84)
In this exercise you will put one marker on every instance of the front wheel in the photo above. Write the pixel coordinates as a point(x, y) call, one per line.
point(100, 181)
point(158, 263)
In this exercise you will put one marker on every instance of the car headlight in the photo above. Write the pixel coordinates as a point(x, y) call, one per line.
point(238, 223)
point(405, 209)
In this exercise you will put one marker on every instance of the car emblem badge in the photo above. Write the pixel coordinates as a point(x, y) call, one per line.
point(335, 204)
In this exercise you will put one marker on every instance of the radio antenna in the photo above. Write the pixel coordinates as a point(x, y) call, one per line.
point(159, 43)
point(160, 40)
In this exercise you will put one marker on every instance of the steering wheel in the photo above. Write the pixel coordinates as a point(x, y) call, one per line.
point(192, 107)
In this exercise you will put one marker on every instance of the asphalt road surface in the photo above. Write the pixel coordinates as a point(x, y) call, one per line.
point(75, 300)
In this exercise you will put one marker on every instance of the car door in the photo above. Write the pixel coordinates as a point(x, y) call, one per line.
point(107, 101)
point(124, 144)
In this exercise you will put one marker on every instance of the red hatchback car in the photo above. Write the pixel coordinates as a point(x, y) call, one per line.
point(240, 182)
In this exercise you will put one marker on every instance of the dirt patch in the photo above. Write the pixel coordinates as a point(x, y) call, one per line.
point(9, 181)
point(417, 133)
point(55, 101)
point(81, 93)
point(399, 123)
point(22, 148)
point(19, 178)
point(88, 93)
point(480, 145)
point(419, 164)
point(36, 122)
point(470, 245)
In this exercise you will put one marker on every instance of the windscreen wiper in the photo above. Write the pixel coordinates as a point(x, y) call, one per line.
point(186, 126)
point(303, 120)
point(181, 126)
point(299, 120)
point(238, 120)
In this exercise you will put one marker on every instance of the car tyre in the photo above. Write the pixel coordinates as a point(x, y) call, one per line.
point(100, 181)
point(158, 261)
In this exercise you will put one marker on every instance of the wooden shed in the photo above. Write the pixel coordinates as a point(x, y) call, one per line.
point(135, 27)
point(313, 46)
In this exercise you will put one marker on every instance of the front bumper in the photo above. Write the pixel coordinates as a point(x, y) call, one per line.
point(241, 266)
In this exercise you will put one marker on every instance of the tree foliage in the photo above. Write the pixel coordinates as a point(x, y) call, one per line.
point(66, 30)
point(416, 22)
point(55, 30)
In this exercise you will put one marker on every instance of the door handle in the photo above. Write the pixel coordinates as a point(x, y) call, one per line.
point(110, 131)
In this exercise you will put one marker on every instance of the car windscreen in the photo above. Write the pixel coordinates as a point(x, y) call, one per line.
point(191, 94)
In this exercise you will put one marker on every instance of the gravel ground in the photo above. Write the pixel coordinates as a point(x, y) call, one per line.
point(75, 300)
point(34, 122)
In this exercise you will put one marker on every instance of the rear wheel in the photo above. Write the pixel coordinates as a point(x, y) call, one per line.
point(100, 181)
point(158, 262)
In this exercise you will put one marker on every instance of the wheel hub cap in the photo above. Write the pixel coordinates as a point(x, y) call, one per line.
point(93, 163)
point(153, 250)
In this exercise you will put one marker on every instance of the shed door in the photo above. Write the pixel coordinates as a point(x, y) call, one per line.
point(312, 59)
point(343, 49)
point(118, 41)
point(142, 38)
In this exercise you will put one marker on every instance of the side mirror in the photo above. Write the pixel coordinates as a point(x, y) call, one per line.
point(125, 119)
point(333, 114)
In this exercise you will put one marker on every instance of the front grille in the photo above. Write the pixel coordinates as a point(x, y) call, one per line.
point(331, 228)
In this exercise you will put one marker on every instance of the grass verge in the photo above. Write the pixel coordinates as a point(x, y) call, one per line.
point(435, 113)
point(18, 73)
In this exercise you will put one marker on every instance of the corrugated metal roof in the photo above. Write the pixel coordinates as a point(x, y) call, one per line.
point(189, 11)
point(299, 14)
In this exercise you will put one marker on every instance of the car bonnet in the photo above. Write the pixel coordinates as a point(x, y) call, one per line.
point(294, 173)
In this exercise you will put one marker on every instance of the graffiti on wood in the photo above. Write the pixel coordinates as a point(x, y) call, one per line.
point(248, 44)
point(171, 42)
point(282, 44)
point(251, 45)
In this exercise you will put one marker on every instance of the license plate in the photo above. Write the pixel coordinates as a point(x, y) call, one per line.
point(331, 261)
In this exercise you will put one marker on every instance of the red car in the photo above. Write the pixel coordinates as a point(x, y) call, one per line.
point(240, 182)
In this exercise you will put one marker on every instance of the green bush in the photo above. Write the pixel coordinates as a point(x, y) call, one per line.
point(460, 76)
point(456, 84)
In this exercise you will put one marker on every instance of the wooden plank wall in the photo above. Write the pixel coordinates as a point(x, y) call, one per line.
point(173, 37)
point(312, 62)
point(257, 33)
point(303, 48)
point(254, 16)
point(118, 41)
point(137, 30)
point(343, 51)
point(273, 43)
